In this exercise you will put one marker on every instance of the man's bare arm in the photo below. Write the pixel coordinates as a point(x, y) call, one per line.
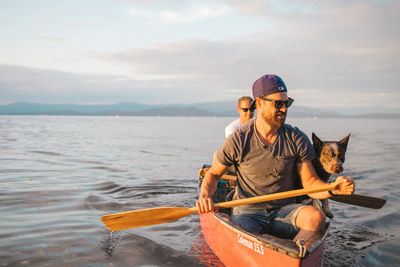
point(209, 186)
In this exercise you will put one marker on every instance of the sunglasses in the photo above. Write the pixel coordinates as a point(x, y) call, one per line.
point(279, 103)
point(246, 109)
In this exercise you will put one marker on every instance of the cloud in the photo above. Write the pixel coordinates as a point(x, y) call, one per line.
point(330, 53)
point(194, 13)
point(18, 83)
point(335, 50)
point(52, 38)
point(262, 8)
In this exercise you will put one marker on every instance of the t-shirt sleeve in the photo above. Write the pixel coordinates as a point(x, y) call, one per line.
point(228, 152)
point(305, 150)
point(229, 130)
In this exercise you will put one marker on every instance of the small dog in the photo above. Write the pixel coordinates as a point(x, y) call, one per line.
point(330, 156)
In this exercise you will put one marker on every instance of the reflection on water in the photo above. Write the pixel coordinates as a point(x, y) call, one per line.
point(60, 174)
point(110, 241)
point(204, 254)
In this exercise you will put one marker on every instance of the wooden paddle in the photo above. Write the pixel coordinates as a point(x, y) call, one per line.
point(146, 217)
point(360, 200)
point(354, 199)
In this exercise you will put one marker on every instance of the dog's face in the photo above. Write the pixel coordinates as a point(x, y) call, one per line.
point(331, 154)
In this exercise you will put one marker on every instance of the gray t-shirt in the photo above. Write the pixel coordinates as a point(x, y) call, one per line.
point(265, 169)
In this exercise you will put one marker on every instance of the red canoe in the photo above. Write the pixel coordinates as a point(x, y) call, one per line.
point(235, 246)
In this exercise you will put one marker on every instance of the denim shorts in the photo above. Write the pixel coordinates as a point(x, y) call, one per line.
point(281, 221)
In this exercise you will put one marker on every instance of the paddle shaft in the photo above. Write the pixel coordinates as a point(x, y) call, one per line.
point(146, 217)
point(354, 199)
point(280, 195)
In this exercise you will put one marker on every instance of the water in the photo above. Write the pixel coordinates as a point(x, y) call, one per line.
point(60, 174)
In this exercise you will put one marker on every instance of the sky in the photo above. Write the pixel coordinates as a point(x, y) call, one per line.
point(332, 54)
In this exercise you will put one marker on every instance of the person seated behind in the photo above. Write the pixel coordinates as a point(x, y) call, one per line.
point(245, 114)
point(266, 153)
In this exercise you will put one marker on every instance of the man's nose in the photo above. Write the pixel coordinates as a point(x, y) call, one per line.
point(283, 108)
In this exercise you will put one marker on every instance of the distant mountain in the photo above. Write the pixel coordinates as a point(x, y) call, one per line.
point(224, 109)
point(296, 111)
point(171, 111)
point(127, 109)
point(37, 108)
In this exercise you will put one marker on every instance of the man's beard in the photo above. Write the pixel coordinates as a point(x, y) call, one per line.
point(275, 120)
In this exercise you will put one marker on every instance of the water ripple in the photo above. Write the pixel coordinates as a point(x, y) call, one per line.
point(59, 175)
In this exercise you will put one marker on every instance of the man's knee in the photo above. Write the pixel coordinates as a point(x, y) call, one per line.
point(310, 218)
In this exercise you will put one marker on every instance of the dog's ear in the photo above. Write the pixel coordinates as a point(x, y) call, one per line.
point(344, 142)
point(316, 141)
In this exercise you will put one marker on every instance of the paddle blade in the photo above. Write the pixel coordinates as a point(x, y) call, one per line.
point(360, 200)
point(146, 217)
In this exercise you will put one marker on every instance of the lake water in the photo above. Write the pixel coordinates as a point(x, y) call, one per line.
point(60, 174)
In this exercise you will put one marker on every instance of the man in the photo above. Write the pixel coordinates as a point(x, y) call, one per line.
point(267, 153)
point(245, 114)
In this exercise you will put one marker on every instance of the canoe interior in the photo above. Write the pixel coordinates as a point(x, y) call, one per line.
point(276, 243)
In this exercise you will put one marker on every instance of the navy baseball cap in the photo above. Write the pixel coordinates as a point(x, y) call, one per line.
point(266, 85)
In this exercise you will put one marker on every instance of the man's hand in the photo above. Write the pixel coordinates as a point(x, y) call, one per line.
point(205, 204)
point(209, 186)
point(346, 186)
